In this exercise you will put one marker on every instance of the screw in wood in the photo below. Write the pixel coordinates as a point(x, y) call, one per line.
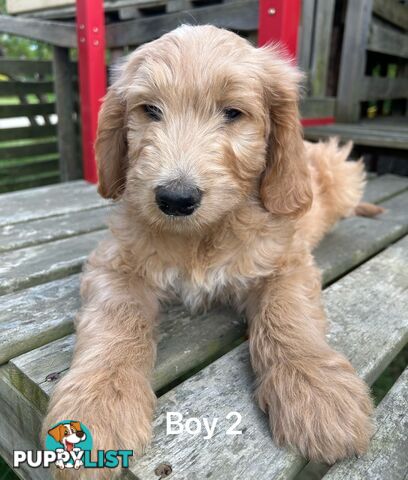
point(163, 470)
point(52, 377)
point(271, 11)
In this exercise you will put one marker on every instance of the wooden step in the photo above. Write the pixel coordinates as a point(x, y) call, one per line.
point(35, 373)
point(372, 135)
point(387, 458)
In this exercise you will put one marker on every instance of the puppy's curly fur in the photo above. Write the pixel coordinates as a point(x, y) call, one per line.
point(267, 199)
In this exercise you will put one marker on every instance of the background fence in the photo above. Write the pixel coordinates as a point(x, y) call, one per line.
point(28, 137)
point(354, 52)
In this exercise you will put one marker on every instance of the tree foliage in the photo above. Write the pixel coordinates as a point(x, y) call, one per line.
point(18, 47)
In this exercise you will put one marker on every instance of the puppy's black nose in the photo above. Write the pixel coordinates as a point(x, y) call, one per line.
point(178, 200)
point(80, 433)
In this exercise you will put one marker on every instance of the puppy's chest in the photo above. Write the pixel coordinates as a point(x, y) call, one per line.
point(199, 288)
point(201, 282)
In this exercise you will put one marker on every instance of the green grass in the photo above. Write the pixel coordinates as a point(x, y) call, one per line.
point(5, 472)
point(390, 375)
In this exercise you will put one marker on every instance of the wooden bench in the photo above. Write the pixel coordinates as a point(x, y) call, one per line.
point(203, 367)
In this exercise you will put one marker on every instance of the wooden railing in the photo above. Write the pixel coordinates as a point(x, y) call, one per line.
point(29, 154)
point(380, 27)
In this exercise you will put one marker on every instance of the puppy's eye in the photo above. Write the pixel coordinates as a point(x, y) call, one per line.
point(153, 112)
point(231, 114)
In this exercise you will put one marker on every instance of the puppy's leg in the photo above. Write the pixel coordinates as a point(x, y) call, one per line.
point(108, 387)
point(314, 399)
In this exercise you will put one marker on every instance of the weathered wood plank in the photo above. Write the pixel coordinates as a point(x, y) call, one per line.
point(370, 333)
point(31, 150)
point(12, 88)
point(37, 316)
point(7, 111)
point(352, 64)
point(69, 161)
point(353, 241)
point(29, 181)
point(373, 135)
point(306, 34)
point(48, 201)
point(50, 8)
point(369, 129)
point(35, 232)
point(241, 15)
point(380, 88)
point(20, 427)
point(392, 11)
point(61, 34)
point(324, 15)
point(33, 265)
point(24, 133)
point(386, 40)
point(387, 457)
point(382, 188)
point(23, 168)
point(20, 6)
point(13, 68)
point(318, 107)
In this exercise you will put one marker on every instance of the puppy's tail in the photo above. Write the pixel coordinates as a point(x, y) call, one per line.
point(340, 182)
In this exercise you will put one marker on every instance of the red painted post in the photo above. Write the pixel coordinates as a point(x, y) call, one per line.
point(92, 76)
point(279, 21)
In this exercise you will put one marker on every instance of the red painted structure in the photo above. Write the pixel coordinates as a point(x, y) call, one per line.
point(92, 76)
point(278, 22)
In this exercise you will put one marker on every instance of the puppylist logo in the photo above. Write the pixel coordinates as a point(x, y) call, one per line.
point(69, 445)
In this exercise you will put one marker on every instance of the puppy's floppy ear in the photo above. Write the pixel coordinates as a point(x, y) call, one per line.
point(286, 185)
point(57, 433)
point(111, 137)
point(111, 147)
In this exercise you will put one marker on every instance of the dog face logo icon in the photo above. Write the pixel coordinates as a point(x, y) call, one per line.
point(68, 434)
point(69, 439)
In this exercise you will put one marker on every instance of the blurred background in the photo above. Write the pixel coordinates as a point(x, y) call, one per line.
point(354, 52)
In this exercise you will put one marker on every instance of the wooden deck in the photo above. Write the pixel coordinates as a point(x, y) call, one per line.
point(46, 235)
point(385, 132)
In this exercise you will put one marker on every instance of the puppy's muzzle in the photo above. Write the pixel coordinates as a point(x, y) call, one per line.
point(178, 200)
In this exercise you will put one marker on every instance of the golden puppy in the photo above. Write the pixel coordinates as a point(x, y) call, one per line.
point(220, 201)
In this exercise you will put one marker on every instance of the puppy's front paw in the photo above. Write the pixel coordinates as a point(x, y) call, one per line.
point(117, 414)
point(324, 413)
